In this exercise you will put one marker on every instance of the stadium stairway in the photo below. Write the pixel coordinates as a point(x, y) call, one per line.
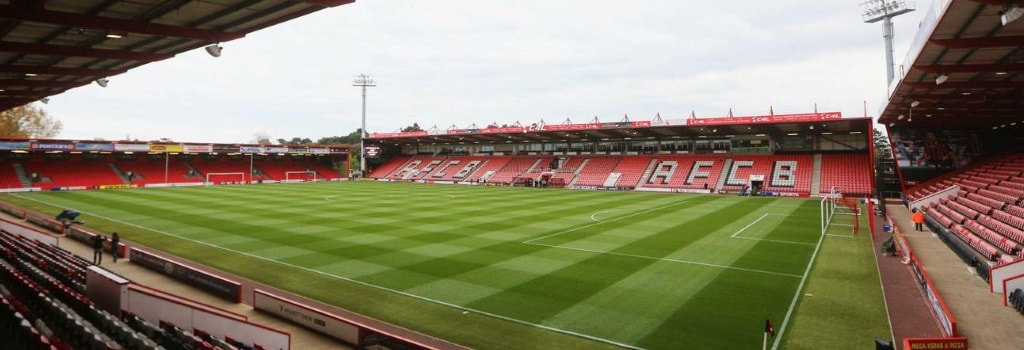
point(577, 171)
point(816, 176)
point(120, 173)
point(647, 172)
point(23, 177)
point(723, 176)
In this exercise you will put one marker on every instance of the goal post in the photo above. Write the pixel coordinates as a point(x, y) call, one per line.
point(220, 178)
point(294, 176)
point(837, 210)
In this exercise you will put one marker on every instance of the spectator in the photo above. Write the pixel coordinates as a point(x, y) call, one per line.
point(918, 218)
point(97, 249)
point(114, 240)
point(936, 153)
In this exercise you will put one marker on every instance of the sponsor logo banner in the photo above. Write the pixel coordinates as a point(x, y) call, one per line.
point(53, 146)
point(220, 287)
point(112, 187)
point(166, 148)
point(225, 148)
point(198, 148)
point(131, 147)
point(764, 119)
point(253, 149)
point(934, 343)
point(563, 127)
point(379, 135)
point(88, 146)
point(10, 145)
point(306, 315)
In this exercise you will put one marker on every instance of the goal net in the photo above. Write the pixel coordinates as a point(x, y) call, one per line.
point(299, 176)
point(224, 178)
point(839, 213)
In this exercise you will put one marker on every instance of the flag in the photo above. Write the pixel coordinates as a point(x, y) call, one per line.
point(768, 327)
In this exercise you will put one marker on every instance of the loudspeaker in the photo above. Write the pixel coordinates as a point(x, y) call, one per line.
point(213, 50)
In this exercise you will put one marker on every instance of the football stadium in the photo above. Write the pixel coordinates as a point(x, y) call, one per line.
point(808, 230)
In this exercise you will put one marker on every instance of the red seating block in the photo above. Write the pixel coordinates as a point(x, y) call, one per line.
point(851, 173)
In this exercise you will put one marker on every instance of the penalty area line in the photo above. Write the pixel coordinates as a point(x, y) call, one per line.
point(678, 261)
point(402, 293)
point(574, 229)
point(734, 235)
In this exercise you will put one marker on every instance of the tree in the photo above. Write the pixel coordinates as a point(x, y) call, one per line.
point(414, 127)
point(883, 150)
point(295, 141)
point(28, 121)
point(261, 138)
point(350, 139)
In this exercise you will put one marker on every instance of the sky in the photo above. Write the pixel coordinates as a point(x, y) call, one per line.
point(463, 62)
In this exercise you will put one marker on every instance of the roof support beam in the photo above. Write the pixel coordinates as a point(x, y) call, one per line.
point(114, 24)
point(972, 68)
point(60, 70)
point(43, 83)
point(967, 85)
point(329, 3)
point(978, 43)
point(41, 49)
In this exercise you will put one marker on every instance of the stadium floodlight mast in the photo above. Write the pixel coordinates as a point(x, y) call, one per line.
point(885, 10)
point(364, 81)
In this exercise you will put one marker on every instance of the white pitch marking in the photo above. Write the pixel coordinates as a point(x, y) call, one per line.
point(752, 223)
point(749, 225)
point(668, 260)
point(796, 295)
point(593, 217)
point(574, 229)
point(840, 236)
point(406, 294)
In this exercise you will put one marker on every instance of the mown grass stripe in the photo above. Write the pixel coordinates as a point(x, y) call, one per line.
point(460, 246)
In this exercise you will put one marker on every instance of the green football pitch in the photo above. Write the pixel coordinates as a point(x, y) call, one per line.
point(520, 268)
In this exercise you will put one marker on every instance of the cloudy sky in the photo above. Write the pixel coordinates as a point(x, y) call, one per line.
point(460, 62)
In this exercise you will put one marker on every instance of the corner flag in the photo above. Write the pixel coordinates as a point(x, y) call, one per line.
point(768, 327)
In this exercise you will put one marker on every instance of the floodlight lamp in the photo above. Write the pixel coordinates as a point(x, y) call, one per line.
point(941, 79)
point(213, 50)
point(1010, 14)
point(900, 117)
point(915, 104)
point(45, 100)
point(102, 82)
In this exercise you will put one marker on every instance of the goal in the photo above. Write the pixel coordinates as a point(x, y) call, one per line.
point(298, 176)
point(225, 178)
point(839, 211)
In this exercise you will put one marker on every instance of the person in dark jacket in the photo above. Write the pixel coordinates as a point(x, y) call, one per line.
point(97, 249)
point(114, 240)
